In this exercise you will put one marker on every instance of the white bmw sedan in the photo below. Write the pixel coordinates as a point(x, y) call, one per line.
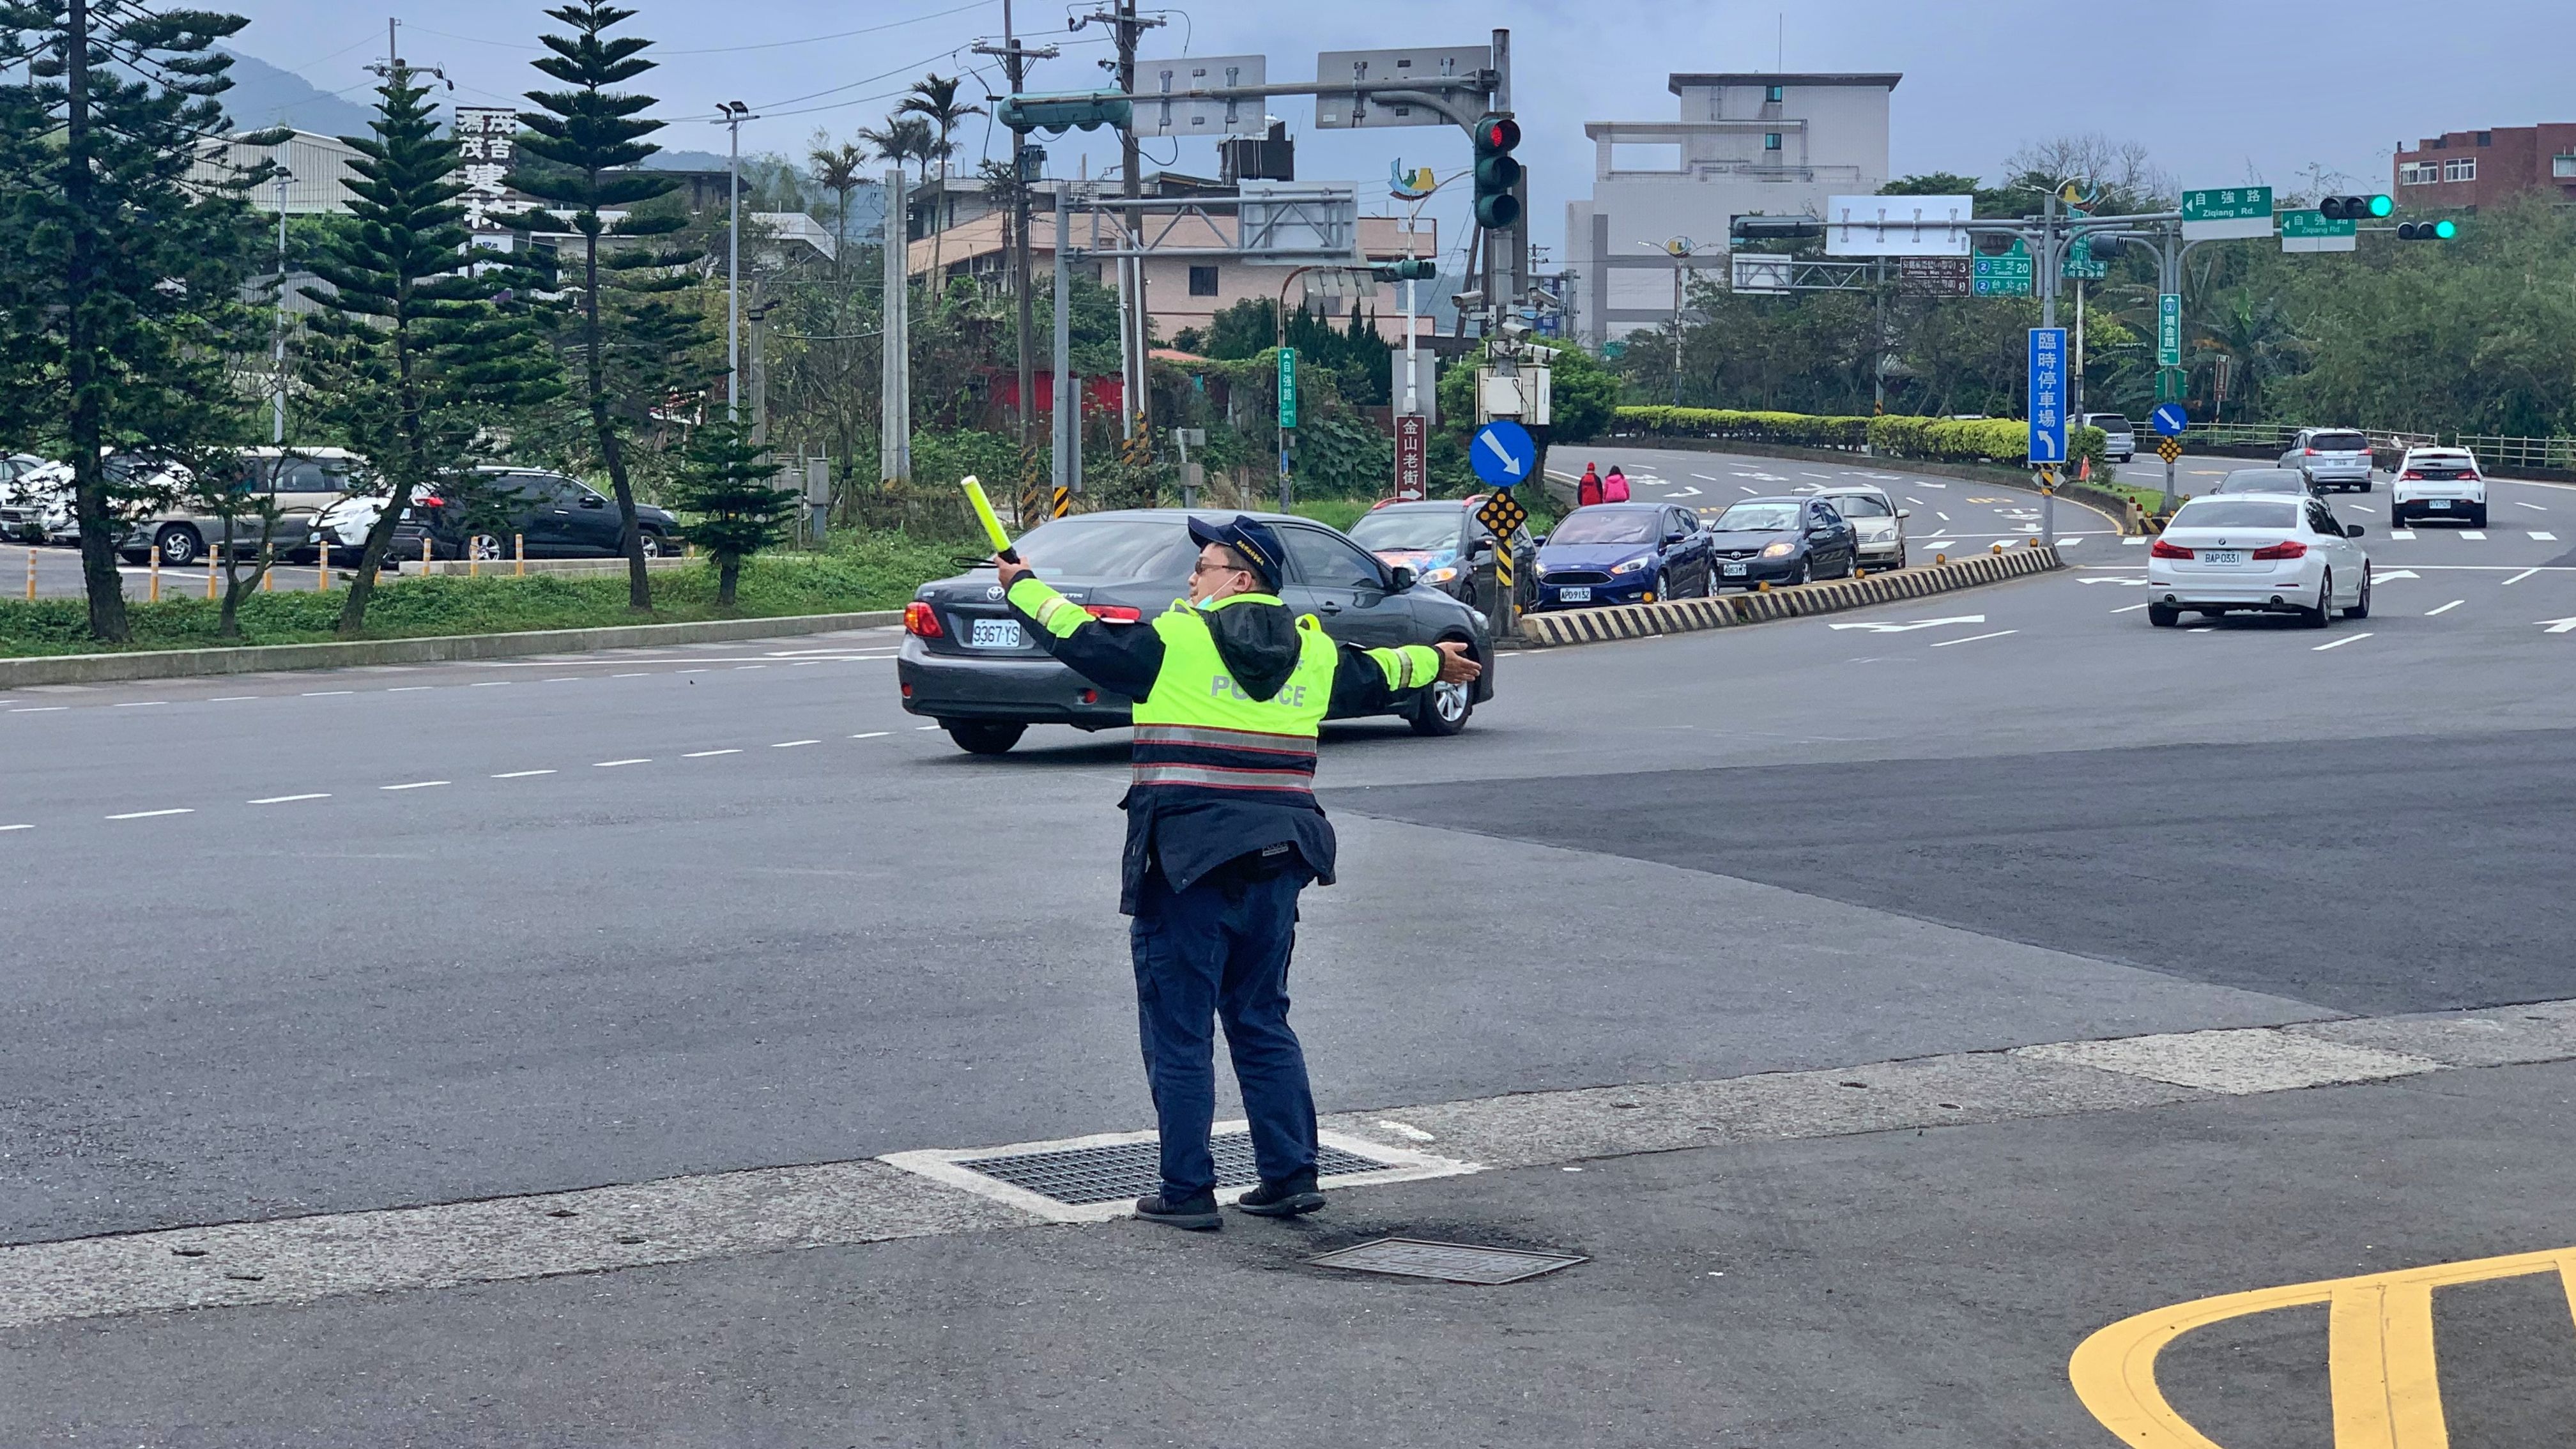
point(2263, 553)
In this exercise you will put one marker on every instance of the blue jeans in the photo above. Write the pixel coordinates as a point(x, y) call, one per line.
point(1219, 950)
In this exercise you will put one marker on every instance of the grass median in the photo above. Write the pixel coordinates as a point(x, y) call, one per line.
point(876, 571)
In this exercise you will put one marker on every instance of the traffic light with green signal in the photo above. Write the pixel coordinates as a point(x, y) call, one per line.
point(1496, 172)
point(2442, 230)
point(2357, 208)
point(1412, 269)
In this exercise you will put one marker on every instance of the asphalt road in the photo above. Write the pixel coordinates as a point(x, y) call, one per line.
point(323, 943)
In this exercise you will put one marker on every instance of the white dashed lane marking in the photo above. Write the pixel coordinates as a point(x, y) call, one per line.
point(872, 735)
point(791, 744)
point(2518, 578)
point(1973, 638)
point(2339, 643)
point(416, 785)
point(708, 754)
point(289, 799)
point(149, 814)
point(2446, 608)
point(613, 764)
point(2534, 507)
point(521, 774)
point(2538, 536)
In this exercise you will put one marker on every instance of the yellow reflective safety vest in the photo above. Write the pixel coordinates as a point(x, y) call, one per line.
point(1199, 733)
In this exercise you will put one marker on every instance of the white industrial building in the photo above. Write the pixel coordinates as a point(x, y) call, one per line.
point(1756, 143)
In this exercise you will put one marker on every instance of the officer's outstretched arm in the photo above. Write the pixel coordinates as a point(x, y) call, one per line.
point(1368, 680)
point(1121, 658)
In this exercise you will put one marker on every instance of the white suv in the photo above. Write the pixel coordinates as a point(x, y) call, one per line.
point(2331, 458)
point(2119, 440)
point(2278, 553)
point(2439, 483)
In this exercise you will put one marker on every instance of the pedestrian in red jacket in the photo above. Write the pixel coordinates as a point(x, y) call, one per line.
point(1588, 491)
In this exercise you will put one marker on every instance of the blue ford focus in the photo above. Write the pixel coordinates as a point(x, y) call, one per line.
point(1624, 553)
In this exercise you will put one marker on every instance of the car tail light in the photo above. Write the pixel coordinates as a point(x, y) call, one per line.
point(2168, 550)
point(2413, 474)
point(921, 621)
point(2286, 548)
point(1114, 613)
point(431, 501)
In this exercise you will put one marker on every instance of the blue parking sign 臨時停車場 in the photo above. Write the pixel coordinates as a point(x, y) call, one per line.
point(2048, 394)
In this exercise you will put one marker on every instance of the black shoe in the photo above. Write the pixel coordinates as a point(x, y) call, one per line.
point(1198, 1214)
point(1283, 1199)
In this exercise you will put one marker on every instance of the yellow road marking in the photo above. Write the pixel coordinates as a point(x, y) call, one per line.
point(2387, 1393)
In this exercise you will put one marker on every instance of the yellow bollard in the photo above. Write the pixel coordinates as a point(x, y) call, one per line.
point(322, 568)
point(31, 576)
point(156, 573)
point(210, 576)
point(268, 576)
point(519, 549)
point(424, 556)
point(473, 560)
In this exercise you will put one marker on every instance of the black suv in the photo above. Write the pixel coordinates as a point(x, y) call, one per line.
point(559, 517)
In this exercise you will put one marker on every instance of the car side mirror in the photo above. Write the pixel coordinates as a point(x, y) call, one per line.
point(1675, 537)
point(592, 500)
point(1484, 549)
point(2352, 530)
point(1905, 513)
point(1399, 579)
point(1538, 540)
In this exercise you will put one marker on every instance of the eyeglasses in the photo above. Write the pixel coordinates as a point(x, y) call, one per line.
point(1203, 566)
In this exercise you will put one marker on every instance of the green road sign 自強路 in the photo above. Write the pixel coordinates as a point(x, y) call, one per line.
point(2313, 231)
point(2217, 213)
point(2008, 275)
point(1287, 387)
point(2169, 330)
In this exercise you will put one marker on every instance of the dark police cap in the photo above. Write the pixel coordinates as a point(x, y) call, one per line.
point(1251, 538)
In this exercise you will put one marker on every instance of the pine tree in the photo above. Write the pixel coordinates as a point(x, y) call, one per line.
point(729, 482)
point(412, 353)
point(577, 155)
point(122, 278)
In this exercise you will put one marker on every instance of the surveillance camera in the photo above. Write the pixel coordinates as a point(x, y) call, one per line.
point(1467, 300)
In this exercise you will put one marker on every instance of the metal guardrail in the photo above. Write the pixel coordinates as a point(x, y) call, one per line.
point(2494, 452)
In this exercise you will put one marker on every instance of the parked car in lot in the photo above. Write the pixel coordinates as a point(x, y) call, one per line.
point(344, 525)
point(2331, 458)
point(559, 517)
point(2281, 553)
point(2440, 483)
point(2262, 480)
point(182, 521)
point(1782, 541)
point(970, 664)
point(1441, 541)
point(1625, 553)
point(35, 500)
point(1875, 519)
point(2120, 441)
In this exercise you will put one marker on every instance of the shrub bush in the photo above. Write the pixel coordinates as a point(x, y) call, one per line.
point(1954, 440)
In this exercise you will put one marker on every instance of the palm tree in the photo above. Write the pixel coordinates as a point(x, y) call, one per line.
point(839, 170)
point(934, 99)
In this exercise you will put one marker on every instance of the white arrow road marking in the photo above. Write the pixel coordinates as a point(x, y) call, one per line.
point(1907, 628)
point(1511, 464)
point(2339, 643)
point(2446, 608)
point(2559, 626)
point(1687, 490)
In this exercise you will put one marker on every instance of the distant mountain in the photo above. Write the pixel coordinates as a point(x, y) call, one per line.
point(263, 95)
point(685, 161)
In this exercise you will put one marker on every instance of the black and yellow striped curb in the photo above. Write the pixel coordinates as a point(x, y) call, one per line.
point(1686, 616)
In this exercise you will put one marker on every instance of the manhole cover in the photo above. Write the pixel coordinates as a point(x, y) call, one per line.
point(1453, 1262)
point(1081, 1175)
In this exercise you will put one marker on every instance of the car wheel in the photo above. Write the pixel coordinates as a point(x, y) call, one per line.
point(2323, 613)
point(2361, 607)
point(655, 546)
point(2163, 616)
point(1443, 709)
point(179, 544)
point(1663, 585)
point(485, 547)
point(981, 736)
point(1797, 575)
point(1897, 562)
point(2478, 519)
point(2363, 486)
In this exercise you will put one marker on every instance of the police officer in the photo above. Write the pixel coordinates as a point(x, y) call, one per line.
point(1222, 833)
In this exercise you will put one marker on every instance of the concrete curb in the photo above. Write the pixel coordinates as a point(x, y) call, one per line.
point(437, 649)
point(1685, 616)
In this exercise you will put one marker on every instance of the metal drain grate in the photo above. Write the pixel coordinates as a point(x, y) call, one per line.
point(1084, 1175)
point(1451, 1262)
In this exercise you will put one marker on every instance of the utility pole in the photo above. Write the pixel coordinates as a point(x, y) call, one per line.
point(1134, 350)
point(731, 115)
point(1015, 64)
point(277, 328)
point(894, 382)
point(1066, 463)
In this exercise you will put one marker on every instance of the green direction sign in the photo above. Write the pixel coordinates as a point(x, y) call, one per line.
point(2080, 263)
point(2169, 330)
point(2004, 276)
point(2310, 231)
point(1287, 387)
point(2218, 213)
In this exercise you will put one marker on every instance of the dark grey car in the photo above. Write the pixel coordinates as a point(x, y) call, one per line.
point(971, 664)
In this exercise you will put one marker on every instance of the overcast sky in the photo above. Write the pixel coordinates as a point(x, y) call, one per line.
point(2214, 89)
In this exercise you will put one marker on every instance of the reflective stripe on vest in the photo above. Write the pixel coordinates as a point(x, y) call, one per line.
point(1201, 731)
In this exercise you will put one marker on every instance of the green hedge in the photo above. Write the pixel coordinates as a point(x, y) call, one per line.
point(1981, 440)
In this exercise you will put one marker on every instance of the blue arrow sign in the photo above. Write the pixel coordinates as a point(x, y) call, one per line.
point(2048, 394)
point(1502, 453)
point(2168, 420)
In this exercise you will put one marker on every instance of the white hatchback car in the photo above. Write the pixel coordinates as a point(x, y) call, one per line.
point(2259, 552)
point(2442, 483)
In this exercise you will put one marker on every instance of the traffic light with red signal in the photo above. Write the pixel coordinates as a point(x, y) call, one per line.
point(1497, 174)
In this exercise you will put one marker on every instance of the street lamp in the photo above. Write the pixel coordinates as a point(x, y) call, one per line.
point(731, 115)
point(1680, 249)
